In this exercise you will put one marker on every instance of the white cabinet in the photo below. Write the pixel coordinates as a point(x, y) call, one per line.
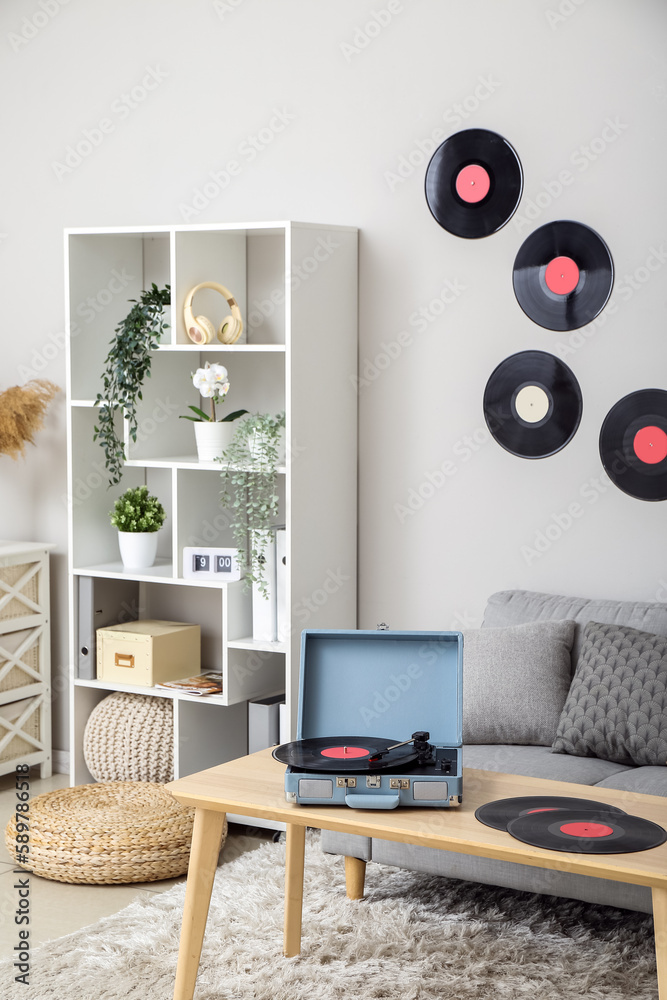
point(25, 657)
point(296, 285)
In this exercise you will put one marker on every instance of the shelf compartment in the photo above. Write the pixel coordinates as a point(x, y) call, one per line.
point(201, 519)
point(206, 735)
point(105, 272)
point(256, 673)
point(208, 256)
point(257, 385)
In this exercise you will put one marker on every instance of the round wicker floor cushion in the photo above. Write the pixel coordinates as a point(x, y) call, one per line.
point(130, 737)
point(118, 831)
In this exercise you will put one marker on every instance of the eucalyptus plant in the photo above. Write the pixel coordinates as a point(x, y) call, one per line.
point(127, 364)
point(250, 491)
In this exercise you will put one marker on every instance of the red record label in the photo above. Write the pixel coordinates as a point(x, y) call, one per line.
point(472, 183)
point(561, 275)
point(586, 829)
point(346, 753)
point(650, 445)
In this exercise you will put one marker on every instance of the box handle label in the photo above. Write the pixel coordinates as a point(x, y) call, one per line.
point(124, 660)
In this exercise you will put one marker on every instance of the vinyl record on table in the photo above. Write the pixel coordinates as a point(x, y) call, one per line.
point(563, 275)
point(532, 404)
point(500, 812)
point(343, 753)
point(633, 444)
point(474, 183)
point(578, 833)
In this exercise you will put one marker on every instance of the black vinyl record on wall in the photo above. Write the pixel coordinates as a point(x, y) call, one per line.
point(474, 183)
point(633, 444)
point(532, 404)
point(563, 275)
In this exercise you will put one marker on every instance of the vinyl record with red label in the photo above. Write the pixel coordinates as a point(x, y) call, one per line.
point(633, 444)
point(474, 183)
point(563, 275)
point(343, 753)
point(500, 812)
point(532, 404)
point(575, 832)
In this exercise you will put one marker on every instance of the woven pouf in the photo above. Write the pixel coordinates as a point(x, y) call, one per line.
point(117, 831)
point(130, 737)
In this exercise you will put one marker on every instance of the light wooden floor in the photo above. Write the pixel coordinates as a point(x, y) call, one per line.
point(57, 909)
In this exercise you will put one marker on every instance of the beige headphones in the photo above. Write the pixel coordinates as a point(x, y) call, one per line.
point(200, 329)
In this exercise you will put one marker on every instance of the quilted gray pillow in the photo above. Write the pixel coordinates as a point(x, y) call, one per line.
point(617, 705)
point(515, 682)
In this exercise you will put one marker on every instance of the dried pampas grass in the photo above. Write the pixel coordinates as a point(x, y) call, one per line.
point(22, 410)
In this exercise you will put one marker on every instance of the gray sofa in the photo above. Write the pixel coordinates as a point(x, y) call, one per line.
point(505, 610)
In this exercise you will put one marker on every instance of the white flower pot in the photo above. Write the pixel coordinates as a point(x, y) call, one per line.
point(213, 437)
point(138, 549)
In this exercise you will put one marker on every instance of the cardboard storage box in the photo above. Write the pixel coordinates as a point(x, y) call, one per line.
point(148, 652)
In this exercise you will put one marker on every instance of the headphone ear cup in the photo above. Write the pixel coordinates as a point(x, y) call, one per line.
point(203, 331)
point(229, 330)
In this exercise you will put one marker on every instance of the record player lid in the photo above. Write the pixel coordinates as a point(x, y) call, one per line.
point(374, 683)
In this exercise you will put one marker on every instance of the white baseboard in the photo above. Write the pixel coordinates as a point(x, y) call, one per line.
point(60, 761)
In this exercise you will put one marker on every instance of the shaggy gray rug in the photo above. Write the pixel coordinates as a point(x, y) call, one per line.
point(413, 937)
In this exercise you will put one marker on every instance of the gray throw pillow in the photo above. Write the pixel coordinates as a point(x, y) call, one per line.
point(617, 705)
point(515, 682)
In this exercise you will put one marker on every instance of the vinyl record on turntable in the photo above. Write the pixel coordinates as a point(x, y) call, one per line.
point(575, 832)
point(500, 812)
point(343, 753)
point(474, 183)
point(633, 444)
point(532, 404)
point(563, 275)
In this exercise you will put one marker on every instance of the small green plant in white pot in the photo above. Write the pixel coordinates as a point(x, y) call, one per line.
point(250, 491)
point(212, 433)
point(138, 517)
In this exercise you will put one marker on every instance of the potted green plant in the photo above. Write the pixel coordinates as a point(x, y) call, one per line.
point(250, 491)
point(138, 516)
point(212, 433)
point(127, 364)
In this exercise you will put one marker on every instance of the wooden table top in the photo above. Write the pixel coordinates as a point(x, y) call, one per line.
point(254, 786)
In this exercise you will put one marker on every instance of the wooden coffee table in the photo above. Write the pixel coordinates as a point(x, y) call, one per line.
point(254, 786)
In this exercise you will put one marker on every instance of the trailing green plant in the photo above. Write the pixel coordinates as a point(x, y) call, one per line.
point(250, 491)
point(137, 510)
point(127, 364)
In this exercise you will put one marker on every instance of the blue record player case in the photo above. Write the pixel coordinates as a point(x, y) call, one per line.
point(381, 685)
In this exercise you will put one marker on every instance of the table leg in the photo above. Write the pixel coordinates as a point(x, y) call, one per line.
point(660, 932)
point(355, 875)
point(206, 837)
point(296, 842)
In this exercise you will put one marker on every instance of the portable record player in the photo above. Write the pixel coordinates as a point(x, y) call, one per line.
point(379, 721)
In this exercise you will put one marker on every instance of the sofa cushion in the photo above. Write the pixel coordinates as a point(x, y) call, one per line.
point(540, 762)
point(617, 705)
point(645, 780)
point(513, 607)
point(515, 682)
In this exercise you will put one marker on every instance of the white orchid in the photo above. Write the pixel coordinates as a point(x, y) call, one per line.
point(212, 381)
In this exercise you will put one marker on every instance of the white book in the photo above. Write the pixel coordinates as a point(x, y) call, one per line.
point(264, 619)
point(282, 617)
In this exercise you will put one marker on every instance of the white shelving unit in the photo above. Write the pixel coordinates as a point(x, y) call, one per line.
point(296, 285)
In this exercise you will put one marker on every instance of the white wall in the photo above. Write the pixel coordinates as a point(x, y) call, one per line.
point(354, 109)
